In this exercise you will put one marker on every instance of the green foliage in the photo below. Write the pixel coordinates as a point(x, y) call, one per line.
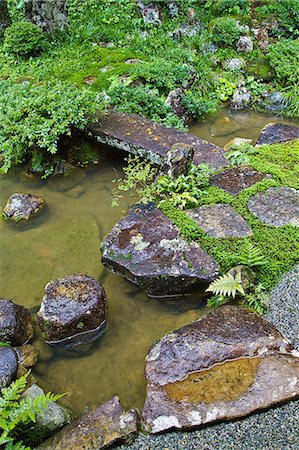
point(24, 39)
point(197, 105)
point(283, 57)
point(17, 412)
point(285, 12)
point(227, 285)
point(225, 31)
point(251, 256)
point(225, 89)
point(36, 116)
point(257, 300)
point(234, 7)
point(239, 154)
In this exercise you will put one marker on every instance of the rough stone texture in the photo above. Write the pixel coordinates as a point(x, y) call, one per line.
point(235, 179)
point(174, 101)
point(150, 12)
point(143, 137)
point(275, 429)
point(275, 102)
point(276, 206)
point(22, 207)
point(226, 365)
point(245, 44)
point(72, 307)
point(220, 221)
point(16, 327)
point(27, 355)
point(234, 64)
point(48, 420)
point(274, 133)
point(51, 16)
point(4, 17)
point(236, 142)
point(98, 429)
point(241, 98)
point(178, 160)
point(146, 248)
point(8, 366)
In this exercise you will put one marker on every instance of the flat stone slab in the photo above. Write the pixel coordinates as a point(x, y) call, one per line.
point(276, 206)
point(220, 221)
point(146, 248)
point(99, 429)
point(274, 133)
point(144, 137)
point(223, 366)
point(235, 179)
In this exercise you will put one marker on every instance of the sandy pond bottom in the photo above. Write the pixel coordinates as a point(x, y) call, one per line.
point(66, 239)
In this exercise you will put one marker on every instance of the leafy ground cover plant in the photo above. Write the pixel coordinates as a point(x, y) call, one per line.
point(24, 39)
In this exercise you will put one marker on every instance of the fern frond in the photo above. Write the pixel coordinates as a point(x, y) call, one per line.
point(252, 256)
point(227, 285)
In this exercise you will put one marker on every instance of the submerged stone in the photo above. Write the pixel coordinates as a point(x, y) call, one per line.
point(16, 327)
point(276, 206)
point(274, 133)
point(8, 366)
point(146, 248)
point(220, 221)
point(235, 179)
point(143, 137)
point(223, 366)
point(101, 428)
point(73, 311)
point(22, 207)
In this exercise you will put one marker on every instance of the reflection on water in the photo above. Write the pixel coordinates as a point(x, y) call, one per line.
point(65, 239)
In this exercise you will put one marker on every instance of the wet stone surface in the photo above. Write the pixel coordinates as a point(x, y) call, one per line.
point(21, 207)
point(223, 366)
point(72, 308)
point(99, 429)
point(235, 179)
point(220, 221)
point(178, 160)
point(274, 133)
point(276, 206)
point(146, 248)
point(8, 366)
point(16, 327)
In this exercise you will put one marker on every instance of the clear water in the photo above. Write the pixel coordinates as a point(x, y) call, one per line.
point(65, 239)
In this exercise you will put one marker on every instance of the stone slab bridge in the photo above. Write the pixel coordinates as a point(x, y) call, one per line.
point(143, 137)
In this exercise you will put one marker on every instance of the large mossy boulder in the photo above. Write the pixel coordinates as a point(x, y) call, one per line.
point(224, 366)
point(73, 311)
point(16, 326)
point(146, 248)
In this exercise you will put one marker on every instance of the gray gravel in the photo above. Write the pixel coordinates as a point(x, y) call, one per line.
point(275, 429)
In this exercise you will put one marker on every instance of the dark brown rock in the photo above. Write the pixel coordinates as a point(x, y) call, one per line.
point(235, 179)
point(220, 221)
point(146, 248)
point(178, 160)
point(27, 355)
point(98, 429)
point(4, 17)
point(274, 133)
point(223, 366)
point(140, 136)
point(22, 207)
point(8, 366)
point(73, 310)
point(51, 16)
point(276, 206)
point(16, 325)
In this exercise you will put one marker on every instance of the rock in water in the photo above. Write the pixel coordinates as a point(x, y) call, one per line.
point(73, 311)
point(51, 16)
point(178, 160)
point(98, 429)
point(274, 133)
point(22, 207)
point(276, 206)
point(146, 248)
point(223, 366)
point(8, 366)
point(16, 327)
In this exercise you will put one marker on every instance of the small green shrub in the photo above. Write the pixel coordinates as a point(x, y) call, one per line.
point(197, 105)
point(234, 7)
point(24, 39)
point(285, 12)
point(225, 31)
point(283, 57)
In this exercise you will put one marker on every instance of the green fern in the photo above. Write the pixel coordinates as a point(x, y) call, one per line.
point(252, 257)
point(227, 285)
point(258, 300)
point(217, 300)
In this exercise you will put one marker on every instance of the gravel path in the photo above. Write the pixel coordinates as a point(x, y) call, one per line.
point(275, 429)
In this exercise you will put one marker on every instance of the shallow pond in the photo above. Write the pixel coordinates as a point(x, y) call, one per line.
point(66, 239)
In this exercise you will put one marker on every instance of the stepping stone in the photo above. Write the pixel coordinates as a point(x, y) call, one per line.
point(224, 366)
point(220, 221)
point(22, 207)
point(276, 206)
point(274, 133)
point(235, 179)
point(146, 138)
point(146, 248)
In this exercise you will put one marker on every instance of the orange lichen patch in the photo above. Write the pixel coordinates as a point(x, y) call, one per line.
point(223, 382)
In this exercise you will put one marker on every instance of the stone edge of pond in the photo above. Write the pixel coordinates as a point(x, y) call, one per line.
point(274, 429)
